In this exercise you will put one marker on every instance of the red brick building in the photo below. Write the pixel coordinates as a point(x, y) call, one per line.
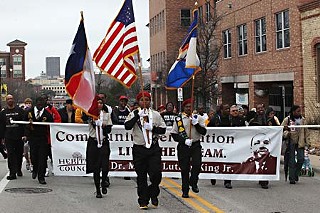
point(169, 22)
point(13, 62)
point(261, 55)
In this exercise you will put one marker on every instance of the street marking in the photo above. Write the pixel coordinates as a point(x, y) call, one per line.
point(187, 200)
point(204, 202)
point(198, 198)
point(4, 182)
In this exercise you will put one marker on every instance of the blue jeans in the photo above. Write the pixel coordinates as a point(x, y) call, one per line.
point(295, 165)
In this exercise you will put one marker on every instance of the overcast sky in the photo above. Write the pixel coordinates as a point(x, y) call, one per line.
point(49, 27)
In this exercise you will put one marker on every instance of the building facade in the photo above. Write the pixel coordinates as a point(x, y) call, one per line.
point(12, 63)
point(310, 19)
point(53, 67)
point(261, 55)
point(169, 22)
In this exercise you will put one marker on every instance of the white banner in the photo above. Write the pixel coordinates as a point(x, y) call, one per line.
point(236, 153)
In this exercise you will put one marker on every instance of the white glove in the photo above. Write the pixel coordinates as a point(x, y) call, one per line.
point(188, 142)
point(98, 123)
point(143, 113)
point(194, 120)
point(147, 126)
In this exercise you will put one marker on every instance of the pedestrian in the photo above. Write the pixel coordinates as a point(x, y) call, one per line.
point(37, 135)
point(26, 148)
point(121, 111)
point(229, 118)
point(98, 148)
point(272, 120)
point(11, 136)
point(259, 119)
point(168, 115)
point(296, 142)
point(114, 119)
point(56, 119)
point(146, 125)
point(67, 113)
point(187, 130)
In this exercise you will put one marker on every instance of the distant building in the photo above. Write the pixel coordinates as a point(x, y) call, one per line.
point(53, 67)
point(12, 63)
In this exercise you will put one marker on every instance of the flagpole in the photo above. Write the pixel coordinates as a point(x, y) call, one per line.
point(192, 96)
point(140, 76)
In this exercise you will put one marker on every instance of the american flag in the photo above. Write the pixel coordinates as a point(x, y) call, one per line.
point(114, 56)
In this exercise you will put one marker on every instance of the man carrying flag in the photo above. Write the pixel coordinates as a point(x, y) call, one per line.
point(114, 56)
point(187, 63)
point(79, 74)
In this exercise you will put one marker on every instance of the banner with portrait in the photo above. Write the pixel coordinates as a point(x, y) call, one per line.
point(236, 153)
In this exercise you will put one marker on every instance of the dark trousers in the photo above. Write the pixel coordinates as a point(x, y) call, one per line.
point(185, 155)
point(15, 155)
point(295, 166)
point(39, 155)
point(147, 162)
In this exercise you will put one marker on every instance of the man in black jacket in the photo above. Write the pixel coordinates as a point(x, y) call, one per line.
point(67, 113)
point(37, 135)
point(12, 135)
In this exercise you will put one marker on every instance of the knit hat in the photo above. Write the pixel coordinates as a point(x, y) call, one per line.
point(143, 93)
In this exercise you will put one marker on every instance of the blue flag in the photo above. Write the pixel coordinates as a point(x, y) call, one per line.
point(187, 63)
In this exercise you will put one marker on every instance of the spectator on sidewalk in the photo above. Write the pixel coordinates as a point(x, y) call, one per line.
point(11, 135)
point(296, 142)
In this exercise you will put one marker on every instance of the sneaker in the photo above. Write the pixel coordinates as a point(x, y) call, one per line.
point(11, 177)
point(228, 185)
point(195, 188)
point(213, 182)
point(185, 195)
point(19, 173)
point(264, 186)
point(155, 202)
point(143, 207)
point(292, 182)
point(31, 168)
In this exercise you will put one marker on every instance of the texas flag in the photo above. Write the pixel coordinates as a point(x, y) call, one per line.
point(79, 74)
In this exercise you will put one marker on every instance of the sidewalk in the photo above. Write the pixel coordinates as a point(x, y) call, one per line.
point(314, 160)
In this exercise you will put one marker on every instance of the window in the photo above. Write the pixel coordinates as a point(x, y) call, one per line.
point(226, 43)
point(208, 14)
point(260, 35)
point(185, 18)
point(17, 60)
point(283, 29)
point(200, 14)
point(17, 73)
point(242, 39)
point(3, 68)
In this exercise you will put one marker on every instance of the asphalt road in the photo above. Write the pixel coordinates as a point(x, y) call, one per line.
point(76, 194)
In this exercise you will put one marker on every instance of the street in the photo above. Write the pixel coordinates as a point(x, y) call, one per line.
point(76, 194)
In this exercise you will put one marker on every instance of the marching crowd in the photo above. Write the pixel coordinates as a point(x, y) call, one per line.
point(32, 141)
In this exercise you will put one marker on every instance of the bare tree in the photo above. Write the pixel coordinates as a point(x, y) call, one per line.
point(208, 48)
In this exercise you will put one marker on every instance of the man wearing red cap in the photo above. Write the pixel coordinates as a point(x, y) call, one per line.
point(146, 125)
point(187, 129)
